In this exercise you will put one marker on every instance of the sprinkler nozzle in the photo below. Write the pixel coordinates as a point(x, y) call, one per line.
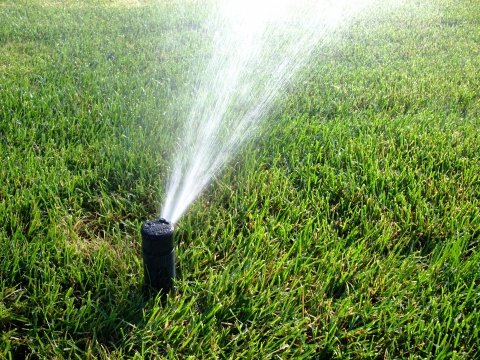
point(158, 255)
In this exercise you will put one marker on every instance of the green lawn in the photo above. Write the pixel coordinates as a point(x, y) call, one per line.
point(351, 229)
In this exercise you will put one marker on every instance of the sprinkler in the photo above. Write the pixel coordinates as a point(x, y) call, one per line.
point(158, 255)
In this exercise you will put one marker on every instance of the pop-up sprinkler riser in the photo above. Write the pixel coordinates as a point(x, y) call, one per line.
point(158, 255)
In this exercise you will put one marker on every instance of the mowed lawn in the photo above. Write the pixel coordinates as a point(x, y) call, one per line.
point(349, 229)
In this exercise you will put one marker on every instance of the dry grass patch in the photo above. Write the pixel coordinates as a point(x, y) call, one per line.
point(16, 57)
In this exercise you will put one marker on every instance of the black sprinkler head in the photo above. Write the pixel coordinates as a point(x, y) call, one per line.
point(158, 255)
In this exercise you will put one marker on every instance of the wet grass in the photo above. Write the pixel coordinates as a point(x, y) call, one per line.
point(349, 230)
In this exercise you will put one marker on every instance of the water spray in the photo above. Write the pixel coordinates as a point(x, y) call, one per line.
point(158, 255)
point(258, 49)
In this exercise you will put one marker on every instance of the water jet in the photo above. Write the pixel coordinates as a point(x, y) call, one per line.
point(258, 48)
point(158, 252)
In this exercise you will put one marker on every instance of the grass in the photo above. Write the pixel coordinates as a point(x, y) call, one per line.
point(350, 230)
